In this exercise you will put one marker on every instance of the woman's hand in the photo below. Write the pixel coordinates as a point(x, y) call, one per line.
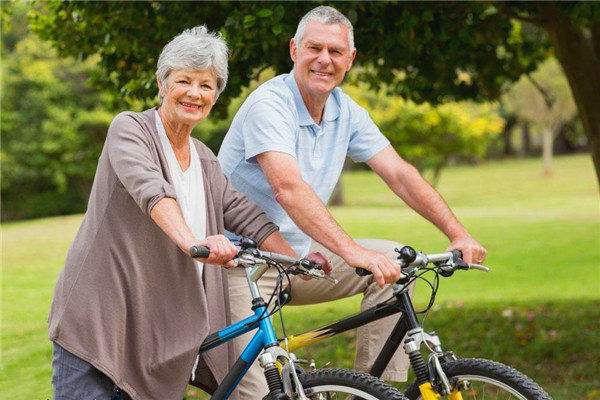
point(222, 251)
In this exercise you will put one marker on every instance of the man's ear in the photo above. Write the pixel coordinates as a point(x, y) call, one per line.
point(293, 50)
point(352, 56)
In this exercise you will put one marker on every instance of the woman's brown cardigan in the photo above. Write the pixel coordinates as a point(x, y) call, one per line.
point(128, 300)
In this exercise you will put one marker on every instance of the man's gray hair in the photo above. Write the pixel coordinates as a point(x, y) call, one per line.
point(325, 15)
point(197, 49)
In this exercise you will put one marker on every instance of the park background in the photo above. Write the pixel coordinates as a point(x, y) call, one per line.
point(496, 103)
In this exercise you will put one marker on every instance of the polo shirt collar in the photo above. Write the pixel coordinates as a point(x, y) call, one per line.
point(331, 112)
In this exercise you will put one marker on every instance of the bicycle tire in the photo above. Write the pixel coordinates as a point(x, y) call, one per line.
point(323, 383)
point(487, 378)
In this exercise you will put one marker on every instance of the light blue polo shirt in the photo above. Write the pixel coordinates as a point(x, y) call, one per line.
point(274, 118)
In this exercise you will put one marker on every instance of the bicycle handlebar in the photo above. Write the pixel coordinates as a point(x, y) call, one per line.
point(447, 262)
point(204, 252)
point(249, 256)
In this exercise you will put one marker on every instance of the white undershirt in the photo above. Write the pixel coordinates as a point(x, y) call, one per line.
point(189, 187)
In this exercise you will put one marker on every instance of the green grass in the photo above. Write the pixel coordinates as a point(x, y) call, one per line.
point(536, 310)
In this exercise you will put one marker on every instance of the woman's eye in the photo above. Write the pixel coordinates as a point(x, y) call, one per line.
point(182, 81)
point(208, 87)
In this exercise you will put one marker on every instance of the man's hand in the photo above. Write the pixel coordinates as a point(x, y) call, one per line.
point(321, 260)
point(383, 268)
point(472, 251)
point(222, 251)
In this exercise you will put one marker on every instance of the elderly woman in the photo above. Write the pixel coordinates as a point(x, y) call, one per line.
point(131, 308)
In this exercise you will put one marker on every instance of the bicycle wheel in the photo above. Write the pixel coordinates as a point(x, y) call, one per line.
point(330, 384)
point(486, 380)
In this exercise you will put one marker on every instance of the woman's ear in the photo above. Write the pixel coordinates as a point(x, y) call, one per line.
point(160, 87)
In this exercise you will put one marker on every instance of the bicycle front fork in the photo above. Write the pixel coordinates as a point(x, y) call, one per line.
point(282, 377)
point(433, 382)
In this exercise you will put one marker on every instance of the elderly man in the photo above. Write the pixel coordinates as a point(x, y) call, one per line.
point(285, 150)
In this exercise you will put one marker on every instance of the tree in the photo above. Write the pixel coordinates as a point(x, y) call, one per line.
point(53, 127)
point(423, 51)
point(544, 99)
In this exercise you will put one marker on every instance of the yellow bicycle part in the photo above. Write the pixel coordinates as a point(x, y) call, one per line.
point(427, 393)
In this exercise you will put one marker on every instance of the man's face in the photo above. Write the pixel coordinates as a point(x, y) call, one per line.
point(323, 59)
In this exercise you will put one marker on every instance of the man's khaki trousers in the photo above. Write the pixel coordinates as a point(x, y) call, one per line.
point(370, 338)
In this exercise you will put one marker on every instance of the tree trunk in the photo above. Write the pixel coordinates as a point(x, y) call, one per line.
point(511, 121)
point(562, 144)
point(525, 140)
point(547, 151)
point(579, 57)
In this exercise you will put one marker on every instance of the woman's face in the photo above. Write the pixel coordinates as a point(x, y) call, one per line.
point(188, 95)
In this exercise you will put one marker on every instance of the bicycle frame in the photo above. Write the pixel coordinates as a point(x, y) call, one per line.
point(406, 322)
point(265, 337)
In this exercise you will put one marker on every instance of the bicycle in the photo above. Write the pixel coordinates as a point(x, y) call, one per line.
point(444, 374)
point(285, 380)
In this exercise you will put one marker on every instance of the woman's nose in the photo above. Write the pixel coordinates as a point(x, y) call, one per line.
point(194, 91)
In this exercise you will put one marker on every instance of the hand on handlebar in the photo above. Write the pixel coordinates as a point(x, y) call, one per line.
point(384, 269)
point(222, 251)
point(472, 251)
point(320, 259)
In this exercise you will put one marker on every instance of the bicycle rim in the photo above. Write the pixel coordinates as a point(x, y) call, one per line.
point(336, 392)
point(487, 387)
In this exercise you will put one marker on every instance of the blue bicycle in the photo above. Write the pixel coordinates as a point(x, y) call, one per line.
point(286, 381)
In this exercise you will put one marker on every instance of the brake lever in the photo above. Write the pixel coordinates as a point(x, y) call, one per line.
point(314, 271)
point(478, 267)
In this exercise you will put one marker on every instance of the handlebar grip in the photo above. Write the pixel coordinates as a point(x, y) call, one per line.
point(457, 254)
point(199, 252)
point(362, 272)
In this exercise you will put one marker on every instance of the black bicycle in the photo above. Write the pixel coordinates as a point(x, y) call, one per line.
point(286, 381)
point(443, 373)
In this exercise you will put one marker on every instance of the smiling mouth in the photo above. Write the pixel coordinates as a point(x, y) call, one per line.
point(321, 74)
point(190, 105)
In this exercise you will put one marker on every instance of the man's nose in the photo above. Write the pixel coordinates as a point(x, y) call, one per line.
point(324, 57)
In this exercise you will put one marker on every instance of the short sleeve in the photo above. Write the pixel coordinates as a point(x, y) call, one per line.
point(269, 126)
point(366, 139)
point(131, 157)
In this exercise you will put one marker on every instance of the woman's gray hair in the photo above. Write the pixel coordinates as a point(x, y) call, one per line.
point(325, 15)
point(197, 49)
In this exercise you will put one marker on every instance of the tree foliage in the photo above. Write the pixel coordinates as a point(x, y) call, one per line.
point(431, 136)
point(542, 97)
point(53, 127)
point(421, 50)
point(431, 52)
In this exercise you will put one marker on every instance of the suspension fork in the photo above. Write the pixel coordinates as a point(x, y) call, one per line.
point(409, 324)
point(412, 347)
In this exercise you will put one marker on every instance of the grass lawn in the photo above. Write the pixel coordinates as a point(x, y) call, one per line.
point(537, 310)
